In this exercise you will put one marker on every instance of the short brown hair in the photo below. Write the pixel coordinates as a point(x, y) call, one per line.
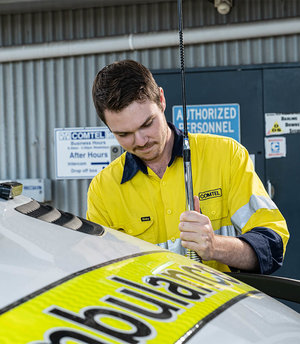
point(119, 84)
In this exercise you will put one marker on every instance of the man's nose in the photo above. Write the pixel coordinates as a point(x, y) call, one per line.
point(140, 139)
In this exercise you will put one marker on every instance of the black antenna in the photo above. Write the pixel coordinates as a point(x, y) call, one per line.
point(188, 179)
point(186, 145)
point(182, 70)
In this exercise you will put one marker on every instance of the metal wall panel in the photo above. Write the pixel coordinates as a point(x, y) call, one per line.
point(38, 96)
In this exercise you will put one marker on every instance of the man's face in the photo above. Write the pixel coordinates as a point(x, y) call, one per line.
point(140, 128)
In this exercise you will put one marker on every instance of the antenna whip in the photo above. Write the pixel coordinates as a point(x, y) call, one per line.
point(186, 146)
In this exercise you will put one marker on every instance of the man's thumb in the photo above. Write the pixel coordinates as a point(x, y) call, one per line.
point(197, 204)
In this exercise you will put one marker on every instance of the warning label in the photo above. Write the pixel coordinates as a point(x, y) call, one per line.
point(276, 128)
point(280, 123)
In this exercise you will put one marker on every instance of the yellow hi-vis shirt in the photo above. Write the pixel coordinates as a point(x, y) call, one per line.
point(149, 207)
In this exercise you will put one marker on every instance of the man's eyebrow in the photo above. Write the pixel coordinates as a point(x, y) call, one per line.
point(147, 120)
point(141, 126)
point(119, 132)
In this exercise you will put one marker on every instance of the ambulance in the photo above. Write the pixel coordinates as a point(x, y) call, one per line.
point(66, 280)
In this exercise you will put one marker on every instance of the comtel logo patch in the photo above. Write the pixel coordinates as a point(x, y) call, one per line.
point(210, 194)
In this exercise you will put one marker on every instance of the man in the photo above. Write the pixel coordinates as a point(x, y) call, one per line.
point(142, 192)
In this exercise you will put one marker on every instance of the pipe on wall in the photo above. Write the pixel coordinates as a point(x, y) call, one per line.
point(262, 29)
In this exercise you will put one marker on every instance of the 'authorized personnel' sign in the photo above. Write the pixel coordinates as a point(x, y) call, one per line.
point(80, 153)
point(282, 123)
point(219, 119)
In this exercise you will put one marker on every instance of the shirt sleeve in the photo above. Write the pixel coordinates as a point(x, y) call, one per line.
point(96, 210)
point(255, 215)
point(268, 247)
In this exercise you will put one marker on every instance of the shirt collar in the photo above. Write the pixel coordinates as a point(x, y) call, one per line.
point(133, 163)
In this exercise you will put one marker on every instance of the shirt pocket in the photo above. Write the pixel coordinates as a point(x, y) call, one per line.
point(216, 211)
point(140, 227)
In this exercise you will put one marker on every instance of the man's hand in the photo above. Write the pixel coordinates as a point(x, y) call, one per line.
point(198, 235)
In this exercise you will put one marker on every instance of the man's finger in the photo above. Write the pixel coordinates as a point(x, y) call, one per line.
point(196, 204)
point(190, 216)
point(189, 226)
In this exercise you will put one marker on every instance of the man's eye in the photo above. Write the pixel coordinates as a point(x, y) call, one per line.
point(122, 134)
point(148, 124)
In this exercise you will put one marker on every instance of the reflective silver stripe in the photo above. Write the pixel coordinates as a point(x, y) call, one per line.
point(175, 246)
point(242, 216)
point(228, 231)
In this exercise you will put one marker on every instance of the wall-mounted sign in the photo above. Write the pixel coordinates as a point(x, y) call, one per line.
point(282, 123)
point(219, 119)
point(275, 147)
point(80, 153)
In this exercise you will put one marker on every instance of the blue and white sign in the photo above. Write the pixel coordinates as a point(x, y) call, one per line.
point(80, 153)
point(219, 119)
point(275, 147)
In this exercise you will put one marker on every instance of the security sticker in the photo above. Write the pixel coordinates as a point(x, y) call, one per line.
point(275, 147)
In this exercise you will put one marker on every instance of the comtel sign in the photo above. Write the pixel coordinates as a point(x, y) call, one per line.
point(82, 152)
point(219, 119)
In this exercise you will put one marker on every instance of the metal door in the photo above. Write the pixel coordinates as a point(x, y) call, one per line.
point(282, 95)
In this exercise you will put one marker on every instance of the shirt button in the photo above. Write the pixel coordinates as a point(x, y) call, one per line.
point(173, 239)
point(169, 211)
point(164, 183)
point(213, 212)
point(130, 231)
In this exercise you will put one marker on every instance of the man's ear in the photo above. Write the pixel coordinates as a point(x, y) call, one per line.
point(162, 99)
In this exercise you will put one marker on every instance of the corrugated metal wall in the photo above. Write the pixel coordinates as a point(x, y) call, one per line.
point(38, 96)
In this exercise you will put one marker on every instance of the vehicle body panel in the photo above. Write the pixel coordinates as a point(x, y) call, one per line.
point(62, 286)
